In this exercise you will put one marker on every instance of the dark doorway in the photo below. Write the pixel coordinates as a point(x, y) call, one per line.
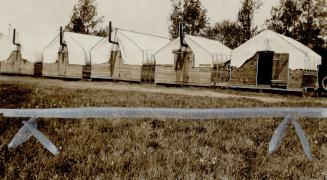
point(264, 69)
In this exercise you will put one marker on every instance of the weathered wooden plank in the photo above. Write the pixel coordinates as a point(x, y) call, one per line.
point(246, 74)
point(11, 65)
point(50, 70)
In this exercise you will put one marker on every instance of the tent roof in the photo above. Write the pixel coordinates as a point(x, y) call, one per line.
point(300, 56)
point(78, 46)
point(206, 51)
point(136, 48)
point(32, 44)
point(6, 47)
point(211, 46)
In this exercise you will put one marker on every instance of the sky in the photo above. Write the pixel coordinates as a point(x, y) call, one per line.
point(148, 16)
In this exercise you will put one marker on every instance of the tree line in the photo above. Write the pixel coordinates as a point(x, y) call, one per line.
point(303, 20)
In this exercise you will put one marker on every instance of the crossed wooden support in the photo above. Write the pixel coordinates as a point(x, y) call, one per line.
point(280, 132)
point(29, 128)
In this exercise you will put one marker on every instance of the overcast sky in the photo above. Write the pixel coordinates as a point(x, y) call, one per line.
point(150, 16)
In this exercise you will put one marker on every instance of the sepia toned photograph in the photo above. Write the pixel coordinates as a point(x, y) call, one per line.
point(163, 89)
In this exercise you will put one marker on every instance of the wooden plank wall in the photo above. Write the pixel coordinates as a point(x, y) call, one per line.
point(16, 65)
point(26, 68)
point(100, 71)
point(302, 78)
point(50, 70)
point(74, 71)
point(246, 74)
point(106, 70)
point(56, 69)
point(199, 76)
point(188, 75)
point(69, 71)
point(125, 72)
point(220, 73)
point(11, 65)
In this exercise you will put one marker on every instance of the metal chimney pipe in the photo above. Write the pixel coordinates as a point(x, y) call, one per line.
point(62, 38)
point(110, 31)
point(14, 39)
point(181, 35)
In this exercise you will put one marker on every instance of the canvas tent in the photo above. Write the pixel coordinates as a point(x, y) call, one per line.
point(26, 59)
point(71, 60)
point(199, 62)
point(6, 47)
point(275, 60)
point(129, 60)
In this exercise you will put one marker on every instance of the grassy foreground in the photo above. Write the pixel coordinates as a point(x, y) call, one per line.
point(153, 148)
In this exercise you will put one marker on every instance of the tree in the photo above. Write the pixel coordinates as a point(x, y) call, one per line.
point(284, 18)
point(245, 19)
point(303, 20)
point(234, 33)
point(227, 32)
point(84, 18)
point(310, 21)
point(191, 14)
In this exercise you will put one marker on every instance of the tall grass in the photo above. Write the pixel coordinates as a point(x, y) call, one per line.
point(153, 148)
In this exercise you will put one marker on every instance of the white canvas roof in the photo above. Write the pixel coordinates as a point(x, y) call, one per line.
point(6, 47)
point(101, 52)
point(300, 56)
point(78, 46)
point(32, 44)
point(205, 51)
point(136, 48)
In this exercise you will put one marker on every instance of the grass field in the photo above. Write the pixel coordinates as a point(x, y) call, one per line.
point(154, 148)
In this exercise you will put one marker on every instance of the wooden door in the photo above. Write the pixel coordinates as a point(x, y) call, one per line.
point(179, 66)
point(112, 62)
point(280, 69)
point(16, 62)
point(62, 64)
point(188, 63)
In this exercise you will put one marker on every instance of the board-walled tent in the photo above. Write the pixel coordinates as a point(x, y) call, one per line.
point(274, 60)
point(26, 57)
point(128, 57)
point(67, 55)
point(194, 61)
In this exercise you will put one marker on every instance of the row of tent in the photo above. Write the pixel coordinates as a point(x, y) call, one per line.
point(268, 59)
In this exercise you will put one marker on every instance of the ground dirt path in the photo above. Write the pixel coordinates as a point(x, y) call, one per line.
point(151, 88)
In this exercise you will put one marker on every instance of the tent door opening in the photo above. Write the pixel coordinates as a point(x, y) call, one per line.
point(264, 67)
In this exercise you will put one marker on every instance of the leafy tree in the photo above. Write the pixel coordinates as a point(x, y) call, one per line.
point(303, 20)
point(234, 33)
point(84, 18)
point(245, 19)
point(103, 32)
point(313, 13)
point(191, 14)
point(284, 18)
point(227, 32)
